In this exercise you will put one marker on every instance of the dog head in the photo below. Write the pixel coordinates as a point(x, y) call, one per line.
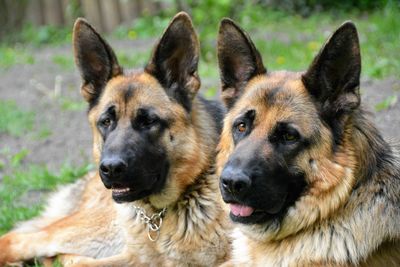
point(283, 160)
point(141, 120)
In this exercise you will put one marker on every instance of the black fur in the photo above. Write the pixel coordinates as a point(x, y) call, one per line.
point(95, 59)
point(238, 60)
point(175, 60)
point(333, 78)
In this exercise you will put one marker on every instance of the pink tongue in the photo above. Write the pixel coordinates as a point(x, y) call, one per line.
point(241, 210)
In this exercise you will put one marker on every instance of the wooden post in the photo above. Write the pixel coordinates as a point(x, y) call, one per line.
point(130, 10)
point(34, 12)
point(53, 12)
point(68, 11)
point(110, 14)
point(12, 15)
point(91, 11)
point(149, 8)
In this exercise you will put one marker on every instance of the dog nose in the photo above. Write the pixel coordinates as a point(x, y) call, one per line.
point(235, 181)
point(113, 167)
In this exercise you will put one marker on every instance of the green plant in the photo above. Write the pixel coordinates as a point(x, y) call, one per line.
point(134, 59)
point(66, 62)
point(13, 120)
point(389, 102)
point(44, 35)
point(43, 133)
point(10, 55)
point(34, 179)
point(17, 158)
point(72, 105)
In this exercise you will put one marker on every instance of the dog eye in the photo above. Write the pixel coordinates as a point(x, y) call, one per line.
point(288, 137)
point(284, 134)
point(241, 127)
point(147, 121)
point(106, 122)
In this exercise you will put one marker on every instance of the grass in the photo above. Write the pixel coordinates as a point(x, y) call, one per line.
point(37, 179)
point(389, 102)
point(286, 40)
point(66, 62)
point(72, 105)
point(133, 59)
point(10, 56)
point(13, 120)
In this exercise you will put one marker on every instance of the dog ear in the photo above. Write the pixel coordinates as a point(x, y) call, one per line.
point(238, 60)
point(333, 78)
point(95, 59)
point(175, 59)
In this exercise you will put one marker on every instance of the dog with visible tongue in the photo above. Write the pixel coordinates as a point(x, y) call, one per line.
point(308, 178)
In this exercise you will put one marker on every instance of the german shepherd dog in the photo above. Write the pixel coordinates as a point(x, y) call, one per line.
point(154, 143)
point(309, 179)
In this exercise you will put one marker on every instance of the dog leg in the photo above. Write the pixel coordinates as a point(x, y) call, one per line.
point(85, 234)
point(123, 259)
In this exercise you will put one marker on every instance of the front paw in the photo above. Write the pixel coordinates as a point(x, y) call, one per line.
point(6, 257)
point(74, 261)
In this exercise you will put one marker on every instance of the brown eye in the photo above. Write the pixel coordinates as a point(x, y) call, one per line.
point(106, 122)
point(241, 127)
point(289, 137)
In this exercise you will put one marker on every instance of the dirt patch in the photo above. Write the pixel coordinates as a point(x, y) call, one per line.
point(51, 91)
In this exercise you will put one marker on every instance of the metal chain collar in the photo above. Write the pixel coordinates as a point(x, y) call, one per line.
point(153, 222)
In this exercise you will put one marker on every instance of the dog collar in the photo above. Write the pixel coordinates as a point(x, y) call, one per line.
point(153, 222)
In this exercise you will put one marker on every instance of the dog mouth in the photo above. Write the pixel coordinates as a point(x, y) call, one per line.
point(120, 191)
point(245, 214)
point(126, 193)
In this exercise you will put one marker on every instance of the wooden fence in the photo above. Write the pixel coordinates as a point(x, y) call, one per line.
point(104, 14)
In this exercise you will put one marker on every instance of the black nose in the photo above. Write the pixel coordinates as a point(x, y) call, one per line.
point(112, 168)
point(235, 181)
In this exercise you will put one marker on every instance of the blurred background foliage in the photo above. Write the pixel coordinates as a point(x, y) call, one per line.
point(287, 32)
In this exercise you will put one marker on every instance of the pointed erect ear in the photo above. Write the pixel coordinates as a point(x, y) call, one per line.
point(238, 60)
point(334, 76)
point(95, 59)
point(175, 59)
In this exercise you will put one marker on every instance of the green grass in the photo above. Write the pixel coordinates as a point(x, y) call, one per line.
point(10, 56)
point(34, 178)
point(389, 102)
point(14, 120)
point(66, 62)
point(17, 158)
point(43, 133)
point(131, 60)
point(72, 105)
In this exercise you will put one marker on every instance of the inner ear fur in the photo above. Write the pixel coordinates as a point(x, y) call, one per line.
point(175, 60)
point(333, 77)
point(95, 59)
point(238, 60)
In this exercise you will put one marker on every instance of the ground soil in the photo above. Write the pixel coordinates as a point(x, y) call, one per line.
point(41, 86)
